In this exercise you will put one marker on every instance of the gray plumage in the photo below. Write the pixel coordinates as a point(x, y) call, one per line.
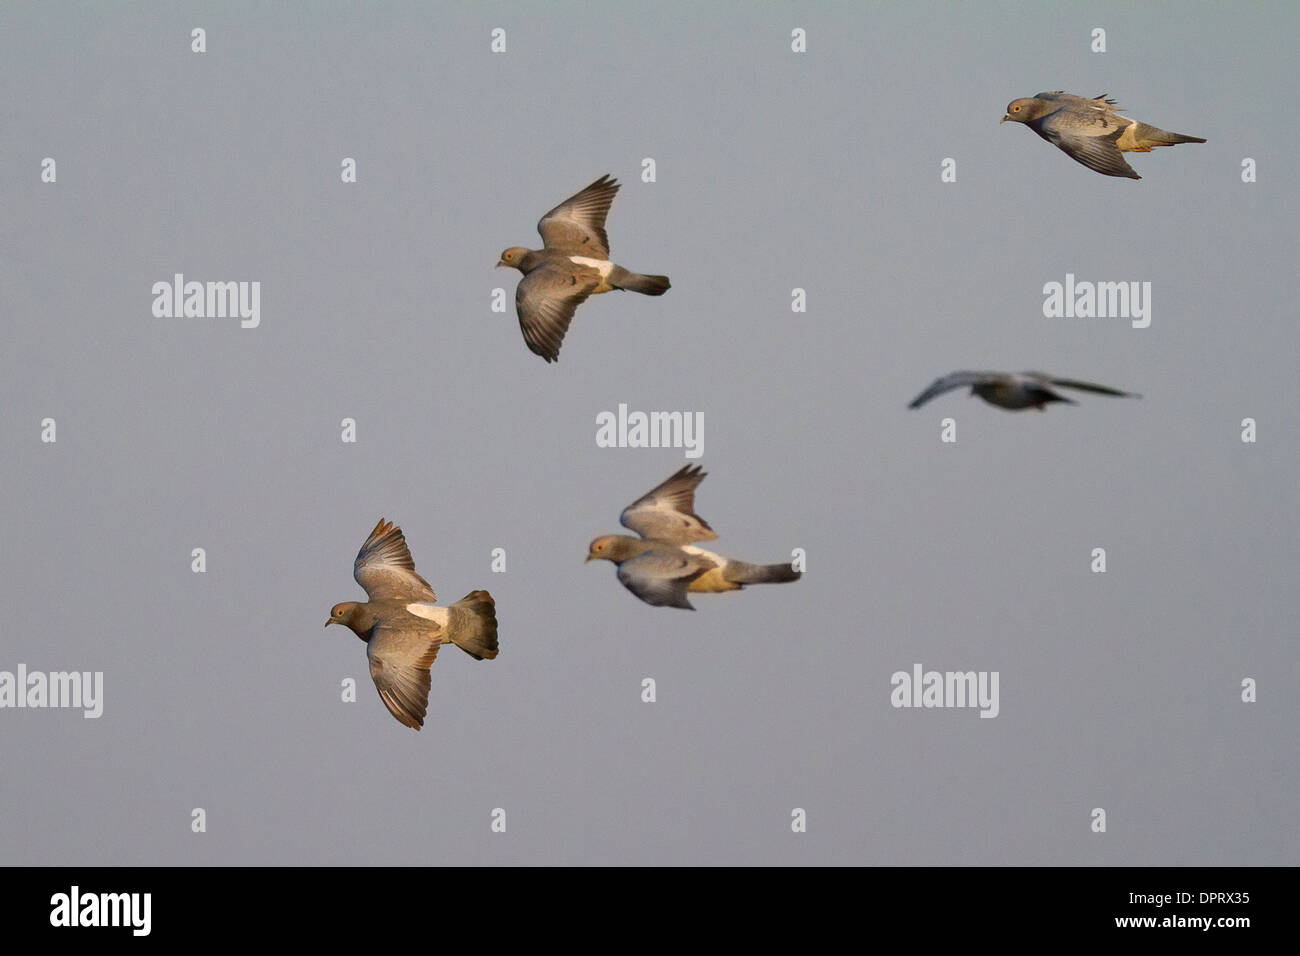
point(662, 577)
point(1091, 131)
point(572, 265)
point(1014, 391)
point(667, 512)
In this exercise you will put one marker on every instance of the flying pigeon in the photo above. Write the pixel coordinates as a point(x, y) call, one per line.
point(402, 627)
point(572, 264)
point(1091, 131)
point(1009, 390)
point(662, 565)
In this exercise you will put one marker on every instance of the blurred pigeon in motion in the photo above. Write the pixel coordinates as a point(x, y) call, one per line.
point(1012, 391)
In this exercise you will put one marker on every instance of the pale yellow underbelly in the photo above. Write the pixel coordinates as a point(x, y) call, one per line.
point(712, 582)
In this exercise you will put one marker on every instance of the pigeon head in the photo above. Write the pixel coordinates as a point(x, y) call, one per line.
point(613, 547)
point(349, 613)
point(514, 257)
point(1026, 110)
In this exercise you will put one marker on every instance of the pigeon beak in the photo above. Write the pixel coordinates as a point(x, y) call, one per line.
point(1005, 117)
point(501, 263)
point(587, 560)
point(329, 622)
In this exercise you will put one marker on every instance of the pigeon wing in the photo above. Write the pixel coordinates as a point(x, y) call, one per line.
point(576, 227)
point(1102, 103)
point(385, 569)
point(399, 666)
point(1085, 386)
point(545, 301)
point(667, 512)
point(948, 382)
point(662, 577)
point(1088, 135)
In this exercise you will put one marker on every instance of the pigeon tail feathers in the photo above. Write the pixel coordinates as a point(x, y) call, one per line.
point(473, 625)
point(741, 572)
point(621, 278)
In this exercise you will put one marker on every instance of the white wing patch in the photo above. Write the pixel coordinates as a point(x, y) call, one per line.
point(603, 266)
point(430, 612)
point(691, 549)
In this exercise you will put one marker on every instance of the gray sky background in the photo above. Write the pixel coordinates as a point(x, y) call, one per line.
point(775, 170)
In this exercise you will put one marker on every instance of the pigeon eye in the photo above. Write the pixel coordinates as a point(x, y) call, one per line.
point(1015, 109)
